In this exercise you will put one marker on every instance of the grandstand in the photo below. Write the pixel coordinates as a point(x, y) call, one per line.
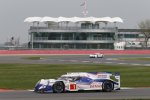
point(78, 33)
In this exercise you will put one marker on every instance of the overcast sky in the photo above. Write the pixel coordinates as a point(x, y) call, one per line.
point(13, 13)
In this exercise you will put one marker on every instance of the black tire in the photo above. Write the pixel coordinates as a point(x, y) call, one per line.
point(58, 87)
point(41, 91)
point(107, 86)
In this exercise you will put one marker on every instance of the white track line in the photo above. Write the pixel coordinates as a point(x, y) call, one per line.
point(127, 88)
point(108, 62)
point(146, 64)
point(73, 60)
point(136, 64)
point(30, 90)
point(96, 62)
point(86, 61)
point(122, 63)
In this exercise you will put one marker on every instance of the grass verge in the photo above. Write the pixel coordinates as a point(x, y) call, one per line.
point(32, 58)
point(143, 59)
point(25, 76)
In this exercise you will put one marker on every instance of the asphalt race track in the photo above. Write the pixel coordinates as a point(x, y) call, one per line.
point(121, 94)
point(76, 59)
point(136, 93)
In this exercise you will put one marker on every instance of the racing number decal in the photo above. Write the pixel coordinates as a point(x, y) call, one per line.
point(73, 87)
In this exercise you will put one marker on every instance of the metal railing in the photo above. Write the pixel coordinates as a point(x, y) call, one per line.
point(70, 28)
point(70, 39)
point(40, 38)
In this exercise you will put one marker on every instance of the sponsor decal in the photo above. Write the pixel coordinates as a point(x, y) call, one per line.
point(95, 85)
point(73, 87)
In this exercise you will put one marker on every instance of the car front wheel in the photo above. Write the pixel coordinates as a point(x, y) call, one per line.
point(58, 87)
point(41, 90)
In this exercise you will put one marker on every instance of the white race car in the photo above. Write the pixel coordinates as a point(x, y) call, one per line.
point(96, 55)
point(76, 81)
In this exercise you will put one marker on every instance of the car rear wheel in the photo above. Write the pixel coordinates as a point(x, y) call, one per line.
point(107, 86)
point(58, 87)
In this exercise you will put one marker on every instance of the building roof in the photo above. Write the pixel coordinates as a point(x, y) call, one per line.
point(74, 19)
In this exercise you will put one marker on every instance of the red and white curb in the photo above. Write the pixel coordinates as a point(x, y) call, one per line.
point(5, 90)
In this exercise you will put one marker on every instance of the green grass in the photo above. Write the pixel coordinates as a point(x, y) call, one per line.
point(25, 76)
point(143, 59)
point(32, 58)
point(120, 99)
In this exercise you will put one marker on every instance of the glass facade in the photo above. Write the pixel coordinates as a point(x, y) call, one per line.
point(73, 46)
point(73, 40)
point(128, 35)
point(73, 36)
point(78, 36)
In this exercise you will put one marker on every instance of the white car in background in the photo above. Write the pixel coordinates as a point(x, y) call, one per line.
point(96, 55)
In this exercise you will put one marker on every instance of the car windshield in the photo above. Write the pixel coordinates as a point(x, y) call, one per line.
point(69, 78)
